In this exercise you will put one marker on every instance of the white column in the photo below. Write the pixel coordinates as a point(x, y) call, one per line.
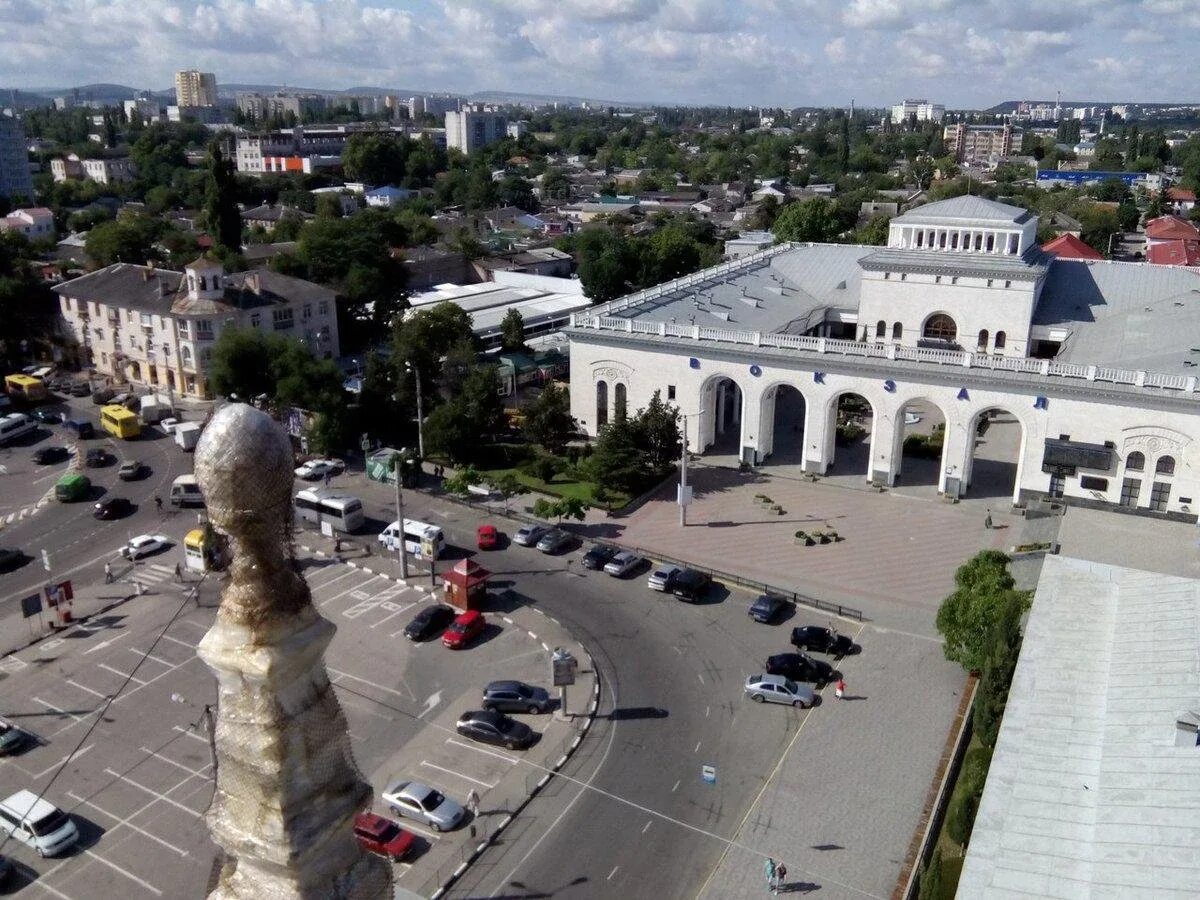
point(720, 420)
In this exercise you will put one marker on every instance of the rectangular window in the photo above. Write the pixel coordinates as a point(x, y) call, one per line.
point(282, 318)
point(306, 313)
point(1092, 483)
point(255, 320)
point(1160, 493)
point(1130, 488)
point(670, 392)
point(323, 308)
point(204, 330)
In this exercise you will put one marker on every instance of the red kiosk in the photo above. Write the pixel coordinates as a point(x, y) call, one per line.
point(466, 585)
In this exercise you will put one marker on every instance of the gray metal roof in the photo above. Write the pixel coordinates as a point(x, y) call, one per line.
point(1087, 794)
point(965, 209)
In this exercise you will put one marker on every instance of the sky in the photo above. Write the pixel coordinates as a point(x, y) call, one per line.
point(964, 53)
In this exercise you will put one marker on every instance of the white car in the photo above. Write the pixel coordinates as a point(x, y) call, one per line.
point(168, 425)
point(660, 579)
point(622, 564)
point(421, 803)
point(316, 469)
point(144, 545)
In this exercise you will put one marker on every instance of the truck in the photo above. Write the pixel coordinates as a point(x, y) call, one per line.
point(154, 408)
point(185, 491)
point(187, 434)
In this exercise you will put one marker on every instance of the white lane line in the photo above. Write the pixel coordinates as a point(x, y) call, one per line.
point(701, 677)
point(334, 580)
point(362, 707)
point(126, 823)
point(157, 659)
point(507, 759)
point(612, 873)
point(677, 784)
point(112, 865)
point(378, 687)
point(41, 882)
point(42, 774)
point(697, 750)
point(358, 586)
point(129, 693)
point(60, 711)
point(677, 650)
point(86, 689)
point(175, 640)
point(191, 734)
point(153, 793)
point(125, 675)
point(707, 710)
point(198, 774)
point(646, 827)
point(485, 784)
point(107, 642)
point(402, 609)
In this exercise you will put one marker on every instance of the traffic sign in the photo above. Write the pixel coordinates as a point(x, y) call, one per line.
point(708, 774)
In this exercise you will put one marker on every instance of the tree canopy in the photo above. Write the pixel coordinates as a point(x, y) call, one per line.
point(984, 595)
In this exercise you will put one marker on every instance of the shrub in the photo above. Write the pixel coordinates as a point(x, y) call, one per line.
point(850, 432)
point(931, 878)
point(960, 816)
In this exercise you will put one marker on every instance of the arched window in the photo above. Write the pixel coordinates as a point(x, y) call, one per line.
point(881, 329)
point(991, 243)
point(1000, 339)
point(619, 403)
point(187, 353)
point(940, 327)
point(1165, 465)
point(1135, 462)
point(983, 338)
point(601, 404)
point(897, 331)
point(203, 283)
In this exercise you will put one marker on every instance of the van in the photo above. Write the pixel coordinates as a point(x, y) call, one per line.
point(81, 428)
point(37, 823)
point(15, 425)
point(186, 492)
point(342, 511)
point(72, 487)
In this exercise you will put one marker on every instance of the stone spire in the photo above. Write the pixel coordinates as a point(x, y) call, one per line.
point(287, 785)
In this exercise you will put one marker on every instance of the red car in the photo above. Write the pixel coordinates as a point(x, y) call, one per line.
point(464, 629)
point(486, 537)
point(382, 836)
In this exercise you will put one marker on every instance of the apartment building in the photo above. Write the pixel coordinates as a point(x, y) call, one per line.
point(260, 107)
point(195, 88)
point(981, 142)
point(35, 223)
point(474, 126)
point(922, 110)
point(156, 328)
point(15, 179)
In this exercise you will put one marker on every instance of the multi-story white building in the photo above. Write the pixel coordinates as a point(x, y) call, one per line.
point(923, 110)
point(108, 171)
point(1089, 367)
point(15, 178)
point(35, 223)
point(474, 126)
point(259, 107)
point(156, 328)
point(195, 88)
point(148, 109)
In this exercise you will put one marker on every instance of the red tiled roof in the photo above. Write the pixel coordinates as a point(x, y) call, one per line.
point(1180, 194)
point(1174, 253)
point(1067, 246)
point(1171, 228)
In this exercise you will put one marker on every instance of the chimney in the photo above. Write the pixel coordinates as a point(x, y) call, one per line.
point(145, 274)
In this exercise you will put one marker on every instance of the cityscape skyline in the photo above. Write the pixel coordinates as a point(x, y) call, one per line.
point(760, 53)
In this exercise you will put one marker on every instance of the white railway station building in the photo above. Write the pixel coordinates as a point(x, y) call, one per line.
point(1091, 366)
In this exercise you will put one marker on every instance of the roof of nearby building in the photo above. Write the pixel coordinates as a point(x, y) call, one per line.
point(1171, 228)
point(1067, 246)
point(1174, 253)
point(538, 299)
point(1087, 793)
point(1178, 194)
point(255, 252)
point(965, 209)
point(269, 213)
point(753, 237)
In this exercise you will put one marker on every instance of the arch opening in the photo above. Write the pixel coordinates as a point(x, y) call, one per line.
point(782, 426)
point(921, 450)
point(850, 431)
point(997, 441)
point(721, 417)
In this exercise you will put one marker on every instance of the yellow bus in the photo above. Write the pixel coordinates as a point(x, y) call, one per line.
point(119, 422)
point(204, 549)
point(25, 387)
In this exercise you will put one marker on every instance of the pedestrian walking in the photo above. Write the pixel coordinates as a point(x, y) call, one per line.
point(326, 478)
point(178, 573)
point(987, 521)
point(769, 871)
point(839, 689)
point(473, 802)
point(108, 573)
point(158, 502)
point(780, 875)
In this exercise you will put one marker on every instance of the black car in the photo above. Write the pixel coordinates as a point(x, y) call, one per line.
point(490, 727)
point(102, 396)
point(516, 696)
point(80, 389)
point(766, 608)
point(599, 556)
point(822, 640)
point(43, 456)
point(112, 508)
point(96, 457)
point(11, 558)
point(5, 869)
point(799, 667)
point(429, 623)
point(48, 416)
point(691, 585)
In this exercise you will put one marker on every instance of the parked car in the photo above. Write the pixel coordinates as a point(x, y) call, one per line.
point(103, 396)
point(384, 837)
point(48, 416)
point(144, 545)
point(168, 425)
point(12, 738)
point(822, 640)
point(131, 470)
point(516, 696)
point(800, 667)
point(429, 623)
point(11, 558)
point(80, 389)
point(598, 556)
point(421, 803)
point(490, 727)
point(44, 456)
point(766, 608)
point(486, 537)
point(97, 456)
point(777, 689)
point(37, 823)
point(6, 869)
point(465, 628)
point(529, 535)
point(660, 579)
point(121, 399)
point(112, 508)
point(556, 540)
point(622, 564)
point(316, 469)
point(691, 585)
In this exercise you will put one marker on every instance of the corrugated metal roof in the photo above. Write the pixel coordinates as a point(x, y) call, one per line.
point(967, 208)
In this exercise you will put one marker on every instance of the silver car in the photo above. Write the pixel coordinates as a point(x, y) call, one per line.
point(556, 540)
point(421, 803)
point(660, 579)
point(529, 535)
point(777, 689)
point(622, 564)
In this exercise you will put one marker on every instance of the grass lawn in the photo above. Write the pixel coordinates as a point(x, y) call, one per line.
point(562, 486)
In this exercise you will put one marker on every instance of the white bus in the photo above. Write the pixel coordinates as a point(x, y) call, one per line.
point(342, 511)
point(422, 540)
point(14, 426)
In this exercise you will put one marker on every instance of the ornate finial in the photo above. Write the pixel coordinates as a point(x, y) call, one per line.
point(287, 785)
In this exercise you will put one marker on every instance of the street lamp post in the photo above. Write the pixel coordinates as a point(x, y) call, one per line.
point(684, 490)
point(420, 411)
point(401, 550)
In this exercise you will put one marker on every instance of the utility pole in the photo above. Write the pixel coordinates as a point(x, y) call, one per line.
point(401, 550)
point(684, 499)
point(420, 415)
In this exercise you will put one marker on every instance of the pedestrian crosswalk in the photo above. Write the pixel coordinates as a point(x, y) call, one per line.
point(151, 574)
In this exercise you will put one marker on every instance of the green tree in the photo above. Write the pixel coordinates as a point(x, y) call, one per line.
point(512, 330)
point(129, 239)
point(619, 462)
point(462, 481)
point(991, 696)
point(377, 158)
point(603, 264)
point(559, 509)
point(241, 364)
point(221, 214)
point(658, 425)
point(516, 191)
point(815, 220)
point(507, 485)
point(960, 814)
point(458, 428)
point(984, 595)
point(548, 419)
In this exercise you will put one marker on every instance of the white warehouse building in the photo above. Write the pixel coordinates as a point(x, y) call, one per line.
point(1092, 365)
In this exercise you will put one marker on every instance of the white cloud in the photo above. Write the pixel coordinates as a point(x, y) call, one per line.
point(836, 49)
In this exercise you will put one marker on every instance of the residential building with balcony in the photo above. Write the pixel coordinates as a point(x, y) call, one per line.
point(474, 126)
point(195, 88)
point(155, 328)
point(981, 143)
point(15, 177)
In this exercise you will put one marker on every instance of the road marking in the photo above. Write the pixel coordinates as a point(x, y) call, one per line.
point(157, 659)
point(126, 823)
point(646, 827)
point(507, 759)
point(198, 774)
point(42, 774)
point(86, 689)
point(697, 750)
point(380, 687)
point(336, 577)
point(112, 865)
point(61, 712)
point(701, 677)
point(434, 699)
point(348, 590)
point(126, 675)
point(41, 882)
point(13, 664)
point(402, 609)
point(677, 650)
point(612, 873)
point(707, 710)
point(677, 784)
point(191, 734)
point(154, 793)
point(458, 775)
point(175, 640)
point(105, 643)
